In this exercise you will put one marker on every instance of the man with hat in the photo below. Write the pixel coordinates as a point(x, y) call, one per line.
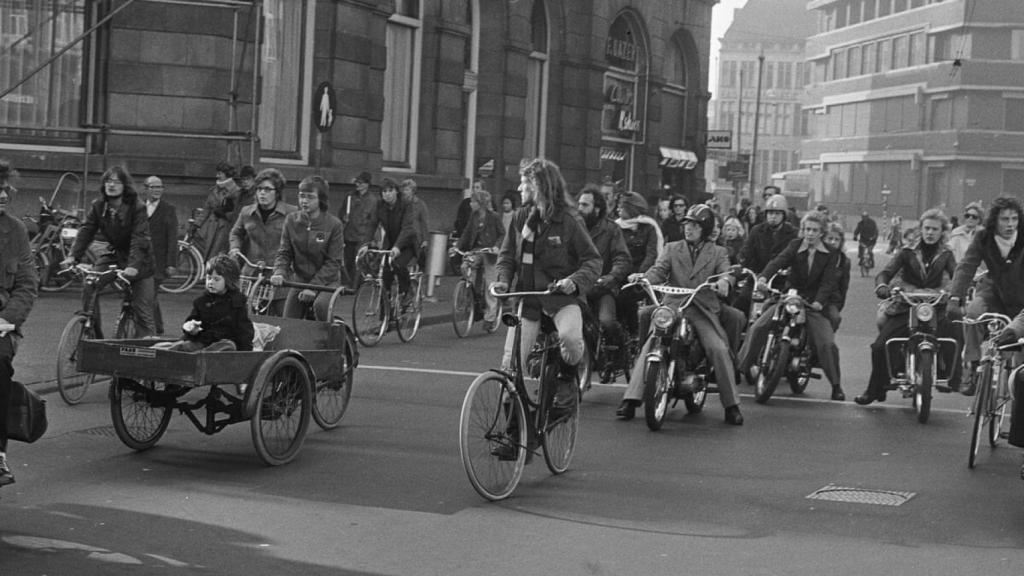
point(163, 233)
point(359, 215)
point(765, 241)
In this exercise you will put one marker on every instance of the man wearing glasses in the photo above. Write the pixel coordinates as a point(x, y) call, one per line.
point(961, 236)
point(163, 234)
point(672, 227)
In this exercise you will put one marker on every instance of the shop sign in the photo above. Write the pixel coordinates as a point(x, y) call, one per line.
point(619, 117)
point(620, 49)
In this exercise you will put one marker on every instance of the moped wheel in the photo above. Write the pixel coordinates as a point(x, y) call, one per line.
point(408, 318)
point(695, 400)
point(981, 410)
point(925, 381)
point(332, 396)
point(770, 374)
point(492, 436)
point(657, 389)
point(138, 411)
point(283, 409)
point(370, 313)
point(72, 384)
point(463, 310)
point(189, 269)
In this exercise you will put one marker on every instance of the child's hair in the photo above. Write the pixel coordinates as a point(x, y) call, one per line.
point(227, 268)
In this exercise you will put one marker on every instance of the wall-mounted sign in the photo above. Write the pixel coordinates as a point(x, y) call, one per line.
point(620, 48)
point(619, 115)
point(324, 105)
point(719, 140)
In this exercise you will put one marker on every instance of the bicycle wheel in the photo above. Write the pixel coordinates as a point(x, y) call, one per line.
point(71, 383)
point(463, 312)
point(561, 428)
point(126, 328)
point(492, 436)
point(331, 397)
point(981, 408)
point(189, 269)
point(925, 380)
point(139, 414)
point(283, 409)
point(997, 401)
point(408, 317)
point(370, 311)
point(657, 392)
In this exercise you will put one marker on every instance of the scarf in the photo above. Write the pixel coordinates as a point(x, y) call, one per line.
point(634, 223)
point(1005, 244)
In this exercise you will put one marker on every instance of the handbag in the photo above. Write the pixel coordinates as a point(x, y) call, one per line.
point(26, 414)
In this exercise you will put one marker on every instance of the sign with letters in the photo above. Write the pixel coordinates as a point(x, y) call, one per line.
point(719, 140)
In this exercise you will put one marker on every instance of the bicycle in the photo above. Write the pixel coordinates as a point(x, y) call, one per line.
point(992, 378)
point(85, 324)
point(503, 422)
point(374, 309)
point(467, 301)
point(190, 266)
point(865, 258)
point(259, 292)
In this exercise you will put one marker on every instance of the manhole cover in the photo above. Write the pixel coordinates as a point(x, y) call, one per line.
point(100, 431)
point(861, 495)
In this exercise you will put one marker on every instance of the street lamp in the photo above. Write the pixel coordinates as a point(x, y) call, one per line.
point(885, 191)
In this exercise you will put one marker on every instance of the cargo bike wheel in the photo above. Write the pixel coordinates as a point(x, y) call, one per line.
point(280, 408)
point(140, 411)
point(332, 396)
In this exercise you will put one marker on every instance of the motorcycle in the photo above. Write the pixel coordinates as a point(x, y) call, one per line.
point(675, 366)
point(57, 230)
point(785, 352)
point(921, 369)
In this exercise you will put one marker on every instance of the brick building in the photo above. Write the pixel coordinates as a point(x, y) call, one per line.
point(915, 103)
point(436, 91)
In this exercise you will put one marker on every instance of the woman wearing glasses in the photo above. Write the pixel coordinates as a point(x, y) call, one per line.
point(961, 236)
point(311, 251)
point(256, 233)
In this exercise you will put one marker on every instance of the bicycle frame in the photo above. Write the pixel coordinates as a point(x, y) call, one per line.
point(93, 282)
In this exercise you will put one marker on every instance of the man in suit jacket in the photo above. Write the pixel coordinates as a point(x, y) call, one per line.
point(163, 231)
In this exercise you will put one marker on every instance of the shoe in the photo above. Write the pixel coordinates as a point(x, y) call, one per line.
point(733, 415)
point(5, 471)
point(627, 409)
point(505, 452)
point(837, 394)
point(868, 397)
point(969, 388)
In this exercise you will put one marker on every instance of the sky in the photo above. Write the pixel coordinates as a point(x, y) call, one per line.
point(721, 17)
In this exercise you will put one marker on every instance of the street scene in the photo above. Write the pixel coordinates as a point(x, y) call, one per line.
point(530, 287)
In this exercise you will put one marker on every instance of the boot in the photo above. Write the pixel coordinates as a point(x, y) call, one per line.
point(837, 393)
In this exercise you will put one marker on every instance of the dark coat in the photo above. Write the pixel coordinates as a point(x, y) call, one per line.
point(611, 245)
point(843, 265)
point(163, 233)
point(866, 231)
point(816, 284)
point(18, 279)
point(125, 228)
point(672, 230)
point(223, 316)
point(399, 226)
point(908, 270)
point(642, 244)
point(485, 232)
point(764, 243)
point(1005, 275)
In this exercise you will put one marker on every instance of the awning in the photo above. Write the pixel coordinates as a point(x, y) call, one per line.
point(612, 154)
point(677, 158)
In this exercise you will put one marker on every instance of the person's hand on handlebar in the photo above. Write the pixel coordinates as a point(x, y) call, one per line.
point(307, 296)
point(816, 306)
point(954, 310)
point(1007, 336)
point(762, 284)
point(234, 252)
point(130, 272)
point(883, 291)
point(68, 262)
point(499, 287)
point(395, 252)
point(722, 286)
point(277, 280)
point(635, 277)
point(362, 251)
point(565, 286)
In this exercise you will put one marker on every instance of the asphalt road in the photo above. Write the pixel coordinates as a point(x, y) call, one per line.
point(386, 494)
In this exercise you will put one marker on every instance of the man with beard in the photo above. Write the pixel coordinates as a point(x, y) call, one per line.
point(615, 269)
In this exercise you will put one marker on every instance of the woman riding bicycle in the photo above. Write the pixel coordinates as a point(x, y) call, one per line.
point(257, 232)
point(1001, 248)
point(483, 230)
point(119, 220)
point(548, 246)
point(311, 251)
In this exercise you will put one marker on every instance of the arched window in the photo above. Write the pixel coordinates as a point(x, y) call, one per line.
point(401, 86)
point(624, 113)
point(536, 82)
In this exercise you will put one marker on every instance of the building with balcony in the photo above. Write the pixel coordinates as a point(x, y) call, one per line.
point(766, 39)
point(441, 92)
point(915, 103)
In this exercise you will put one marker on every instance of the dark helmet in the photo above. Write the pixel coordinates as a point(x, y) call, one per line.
point(702, 215)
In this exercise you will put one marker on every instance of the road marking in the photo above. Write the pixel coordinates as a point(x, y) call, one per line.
point(456, 373)
point(94, 553)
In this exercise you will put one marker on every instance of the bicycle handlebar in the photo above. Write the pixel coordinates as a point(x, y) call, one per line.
point(520, 294)
point(258, 265)
point(490, 250)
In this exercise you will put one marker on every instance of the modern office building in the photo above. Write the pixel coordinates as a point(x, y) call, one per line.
point(766, 39)
point(441, 92)
point(915, 103)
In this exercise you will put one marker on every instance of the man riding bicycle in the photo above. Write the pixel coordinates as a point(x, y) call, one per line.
point(866, 235)
point(547, 245)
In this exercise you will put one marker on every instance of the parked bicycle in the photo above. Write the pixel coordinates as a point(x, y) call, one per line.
point(86, 324)
point(375, 308)
point(504, 421)
point(55, 232)
point(190, 268)
point(468, 297)
point(992, 380)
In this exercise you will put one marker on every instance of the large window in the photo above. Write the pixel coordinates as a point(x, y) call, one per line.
point(401, 87)
point(31, 32)
point(536, 83)
point(284, 124)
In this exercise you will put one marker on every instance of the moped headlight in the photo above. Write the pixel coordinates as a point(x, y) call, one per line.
point(663, 317)
point(925, 312)
point(68, 233)
point(793, 308)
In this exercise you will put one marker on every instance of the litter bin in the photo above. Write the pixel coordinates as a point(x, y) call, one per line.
point(437, 258)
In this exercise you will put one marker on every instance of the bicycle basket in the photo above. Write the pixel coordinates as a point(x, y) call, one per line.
point(264, 290)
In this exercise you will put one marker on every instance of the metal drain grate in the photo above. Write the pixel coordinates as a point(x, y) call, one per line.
point(100, 431)
point(861, 495)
